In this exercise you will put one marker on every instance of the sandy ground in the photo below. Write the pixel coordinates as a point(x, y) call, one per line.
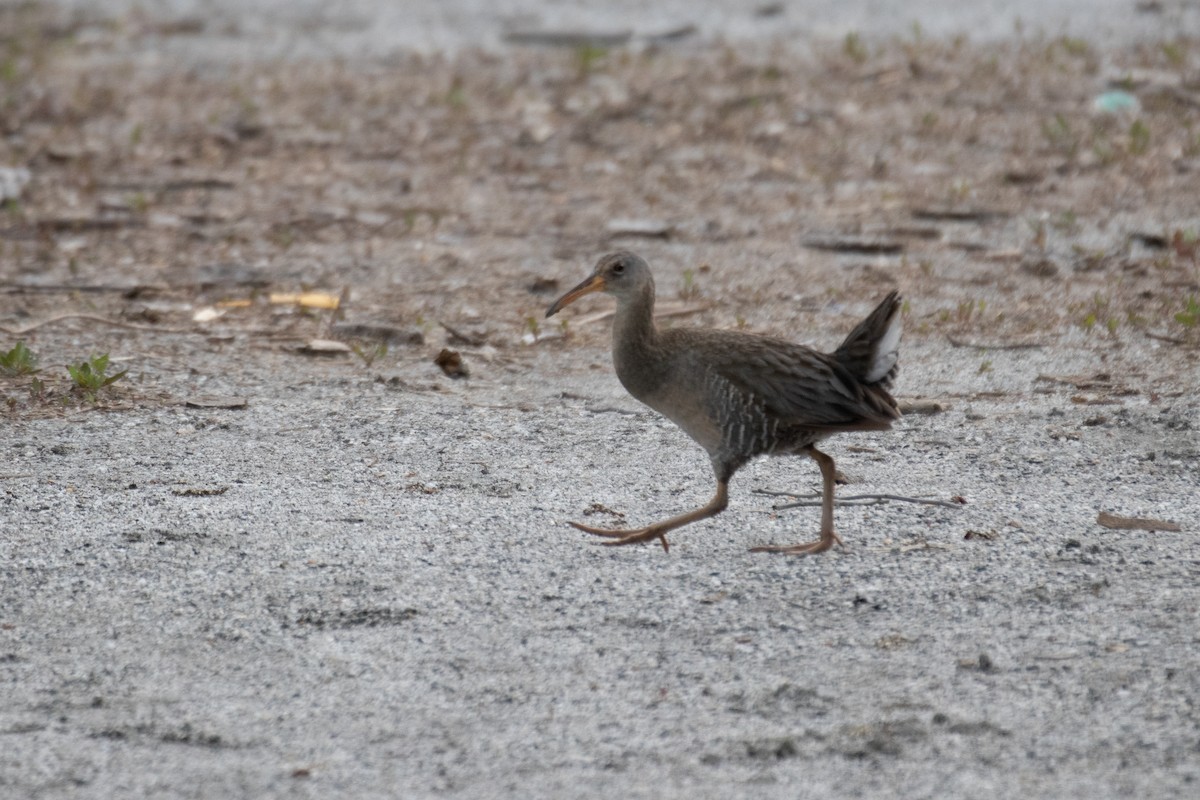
point(248, 570)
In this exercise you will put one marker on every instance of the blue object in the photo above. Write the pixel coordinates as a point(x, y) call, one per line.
point(1115, 102)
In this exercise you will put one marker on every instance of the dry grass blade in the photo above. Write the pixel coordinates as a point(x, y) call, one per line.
point(116, 323)
point(1119, 523)
point(662, 310)
point(957, 342)
point(853, 500)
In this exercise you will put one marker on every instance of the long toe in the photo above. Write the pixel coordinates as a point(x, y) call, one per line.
point(644, 535)
point(626, 535)
point(811, 548)
point(612, 533)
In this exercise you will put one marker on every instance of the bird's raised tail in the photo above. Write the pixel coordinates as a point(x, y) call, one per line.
point(872, 350)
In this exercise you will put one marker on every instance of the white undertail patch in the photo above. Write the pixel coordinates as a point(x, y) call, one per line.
point(887, 352)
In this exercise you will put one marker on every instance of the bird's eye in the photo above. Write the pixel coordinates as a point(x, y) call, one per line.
point(618, 268)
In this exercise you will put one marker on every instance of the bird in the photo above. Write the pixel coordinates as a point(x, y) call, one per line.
point(740, 395)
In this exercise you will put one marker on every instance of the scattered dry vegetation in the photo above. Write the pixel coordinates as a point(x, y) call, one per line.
point(465, 190)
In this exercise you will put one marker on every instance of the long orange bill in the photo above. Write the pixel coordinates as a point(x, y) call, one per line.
point(595, 283)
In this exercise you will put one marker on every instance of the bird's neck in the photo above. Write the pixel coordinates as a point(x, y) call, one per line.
point(635, 340)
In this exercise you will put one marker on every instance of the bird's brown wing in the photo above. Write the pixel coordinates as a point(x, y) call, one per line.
point(797, 386)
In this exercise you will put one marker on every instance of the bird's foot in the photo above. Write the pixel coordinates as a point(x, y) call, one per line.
point(826, 541)
point(622, 536)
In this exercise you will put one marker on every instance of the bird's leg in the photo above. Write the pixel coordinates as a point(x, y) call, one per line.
point(828, 537)
point(658, 530)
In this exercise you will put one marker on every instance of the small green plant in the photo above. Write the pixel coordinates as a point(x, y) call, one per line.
point(772, 73)
point(1039, 234)
point(587, 56)
point(369, 353)
point(283, 236)
point(969, 308)
point(532, 328)
point(1099, 311)
point(689, 289)
point(1078, 48)
point(91, 376)
point(853, 47)
point(456, 96)
point(985, 366)
point(9, 70)
point(1175, 52)
point(1190, 316)
point(1139, 137)
point(425, 324)
point(1059, 135)
point(1191, 148)
point(20, 360)
point(1103, 150)
point(1066, 222)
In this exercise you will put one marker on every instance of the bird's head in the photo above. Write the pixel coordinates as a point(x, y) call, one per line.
point(620, 274)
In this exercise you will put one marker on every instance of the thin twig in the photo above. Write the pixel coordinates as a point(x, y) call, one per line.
point(467, 339)
point(93, 318)
point(854, 499)
point(613, 410)
point(1161, 338)
point(664, 312)
point(957, 342)
point(21, 288)
point(922, 544)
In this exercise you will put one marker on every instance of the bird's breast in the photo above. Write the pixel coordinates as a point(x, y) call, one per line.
point(676, 392)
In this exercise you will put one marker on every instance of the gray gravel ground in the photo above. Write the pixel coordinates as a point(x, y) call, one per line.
point(385, 602)
point(378, 596)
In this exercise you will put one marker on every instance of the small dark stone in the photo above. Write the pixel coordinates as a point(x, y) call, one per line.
point(452, 363)
point(542, 286)
point(768, 749)
point(1040, 268)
